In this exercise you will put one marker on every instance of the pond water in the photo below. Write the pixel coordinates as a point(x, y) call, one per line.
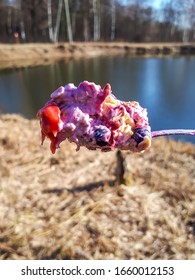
point(165, 86)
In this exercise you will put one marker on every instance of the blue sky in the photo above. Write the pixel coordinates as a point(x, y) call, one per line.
point(155, 3)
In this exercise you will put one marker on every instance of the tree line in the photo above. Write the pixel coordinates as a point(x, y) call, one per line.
point(96, 20)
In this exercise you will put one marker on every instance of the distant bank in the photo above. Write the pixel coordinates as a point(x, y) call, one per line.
point(22, 55)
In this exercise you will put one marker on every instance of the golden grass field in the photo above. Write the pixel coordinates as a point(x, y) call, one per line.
point(70, 205)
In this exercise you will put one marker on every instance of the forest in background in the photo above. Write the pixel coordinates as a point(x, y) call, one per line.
point(96, 20)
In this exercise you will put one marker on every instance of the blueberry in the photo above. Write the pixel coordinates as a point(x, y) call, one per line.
point(140, 133)
point(100, 137)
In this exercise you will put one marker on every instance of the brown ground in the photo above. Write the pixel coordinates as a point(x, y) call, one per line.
point(67, 206)
point(22, 55)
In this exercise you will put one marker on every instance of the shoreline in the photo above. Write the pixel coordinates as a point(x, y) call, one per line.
point(32, 54)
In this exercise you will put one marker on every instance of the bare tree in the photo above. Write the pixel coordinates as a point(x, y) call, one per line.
point(113, 19)
point(96, 23)
point(85, 10)
point(50, 27)
point(189, 10)
point(69, 26)
point(58, 19)
point(9, 21)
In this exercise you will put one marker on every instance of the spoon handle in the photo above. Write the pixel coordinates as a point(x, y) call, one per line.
point(173, 132)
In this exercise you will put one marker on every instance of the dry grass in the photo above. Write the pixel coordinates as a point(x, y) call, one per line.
point(66, 206)
point(32, 54)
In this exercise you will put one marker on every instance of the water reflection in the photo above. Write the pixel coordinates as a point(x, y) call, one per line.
point(165, 86)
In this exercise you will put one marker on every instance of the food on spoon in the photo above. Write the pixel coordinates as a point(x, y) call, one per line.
point(91, 116)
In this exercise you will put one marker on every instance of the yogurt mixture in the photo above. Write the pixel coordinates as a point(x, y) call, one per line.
point(92, 117)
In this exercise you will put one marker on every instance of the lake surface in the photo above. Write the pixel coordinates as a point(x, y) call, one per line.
point(165, 86)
